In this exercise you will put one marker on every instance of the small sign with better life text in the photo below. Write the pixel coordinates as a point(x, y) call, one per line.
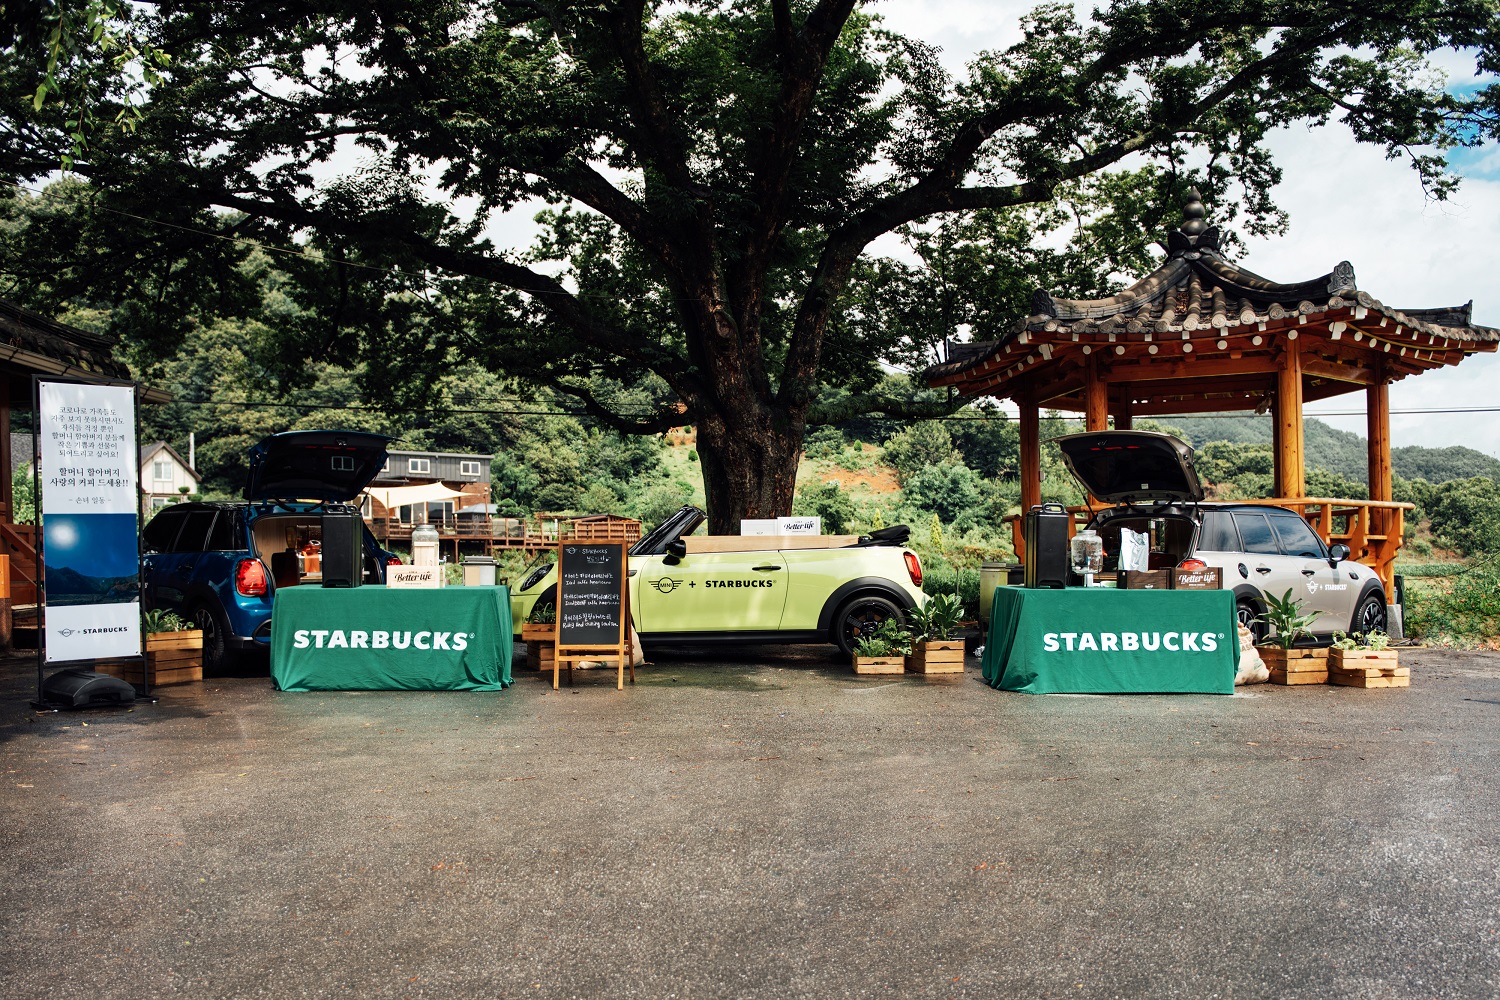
point(414, 577)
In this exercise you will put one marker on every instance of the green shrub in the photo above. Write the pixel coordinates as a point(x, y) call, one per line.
point(1463, 611)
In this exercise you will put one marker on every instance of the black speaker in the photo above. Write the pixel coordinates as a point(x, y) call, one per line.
point(79, 688)
point(1047, 552)
point(343, 547)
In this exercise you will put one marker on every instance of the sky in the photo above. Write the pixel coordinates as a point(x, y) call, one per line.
point(1346, 202)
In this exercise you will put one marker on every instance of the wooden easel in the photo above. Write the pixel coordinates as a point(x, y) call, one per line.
point(621, 650)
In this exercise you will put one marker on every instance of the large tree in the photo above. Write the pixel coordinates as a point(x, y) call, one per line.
point(717, 170)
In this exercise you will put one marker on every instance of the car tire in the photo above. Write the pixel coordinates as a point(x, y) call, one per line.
point(1370, 615)
point(860, 616)
point(216, 653)
point(1247, 614)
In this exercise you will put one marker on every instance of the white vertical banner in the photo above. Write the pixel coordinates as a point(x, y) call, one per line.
point(88, 468)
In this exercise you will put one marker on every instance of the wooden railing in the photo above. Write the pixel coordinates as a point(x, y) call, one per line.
point(1371, 528)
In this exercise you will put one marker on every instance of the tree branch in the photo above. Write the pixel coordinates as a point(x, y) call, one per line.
point(863, 404)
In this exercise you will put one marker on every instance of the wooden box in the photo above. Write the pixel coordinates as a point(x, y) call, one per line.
point(1210, 578)
point(538, 633)
point(539, 655)
point(937, 656)
point(1295, 666)
point(879, 664)
point(171, 658)
point(1366, 668)
point(1146, 579)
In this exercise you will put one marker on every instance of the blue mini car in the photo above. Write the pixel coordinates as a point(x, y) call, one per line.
point(220, 564)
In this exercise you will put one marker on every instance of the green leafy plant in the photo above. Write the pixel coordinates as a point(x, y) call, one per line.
point(1284, 615)
point(1374, 640)
point(872, 645)
point(895, 636)
point(164, 621)
point(543, 614)
point(937, 619)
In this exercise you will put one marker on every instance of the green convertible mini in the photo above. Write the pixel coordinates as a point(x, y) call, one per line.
point(765, 595)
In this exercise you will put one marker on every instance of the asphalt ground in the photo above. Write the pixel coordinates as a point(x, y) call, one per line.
point(756, 823)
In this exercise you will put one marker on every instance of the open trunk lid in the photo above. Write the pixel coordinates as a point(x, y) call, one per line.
point(1132, 466)
point(314, 465)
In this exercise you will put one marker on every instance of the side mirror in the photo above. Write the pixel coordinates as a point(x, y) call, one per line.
point(1337, 554)
point(675, 551)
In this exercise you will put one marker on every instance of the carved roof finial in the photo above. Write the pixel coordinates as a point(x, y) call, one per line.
point(1192, 214)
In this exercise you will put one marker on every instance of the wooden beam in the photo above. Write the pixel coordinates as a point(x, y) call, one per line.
point(1378, 439)
point(1095, 397)
point(1344, 373)
point(1290, 450)
point(1124, 412)
point(1031, 454)
point(1153, 370)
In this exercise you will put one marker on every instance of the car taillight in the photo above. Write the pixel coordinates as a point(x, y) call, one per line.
point(914, 569)
point(1192, 564)
point(393, 560)
point(250, 578)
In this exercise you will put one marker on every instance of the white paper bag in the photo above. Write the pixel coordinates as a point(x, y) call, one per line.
point(1135, 550)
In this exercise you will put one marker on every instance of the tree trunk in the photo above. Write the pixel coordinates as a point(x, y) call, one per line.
point(749, 467)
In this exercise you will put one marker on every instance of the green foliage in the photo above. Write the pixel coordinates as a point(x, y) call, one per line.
point(988, 440)
point(1375, 640)
point(937, 619)
point(918, 447)
point(542, 614)
point(1439, 465)
point(1462, 611)
point(950, 491)
point(1283, 615)
point(22, 495)
point(1465, 515)
point(823, 442)
point(935, 534)
point(830, 502)
point(158, 621)
point(888, 639)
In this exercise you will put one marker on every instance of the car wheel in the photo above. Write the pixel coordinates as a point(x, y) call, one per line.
point(860, 617)
point(216, 654)
point(1248, 615)
point(1370, 615)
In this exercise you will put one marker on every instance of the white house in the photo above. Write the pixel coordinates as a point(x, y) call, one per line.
point(164, 474)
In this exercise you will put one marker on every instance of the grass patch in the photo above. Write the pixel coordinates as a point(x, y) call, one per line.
point(1460, 610)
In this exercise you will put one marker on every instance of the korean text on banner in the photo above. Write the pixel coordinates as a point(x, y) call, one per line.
point(88, 470)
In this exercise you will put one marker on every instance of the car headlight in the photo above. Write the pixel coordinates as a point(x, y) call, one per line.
point(535, 576)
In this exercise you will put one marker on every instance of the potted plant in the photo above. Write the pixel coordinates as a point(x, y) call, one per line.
point(1366, 660)
point(1289, 664)
point(884, 652)
point(933, 626)
point(174, 649)
point(539, 632)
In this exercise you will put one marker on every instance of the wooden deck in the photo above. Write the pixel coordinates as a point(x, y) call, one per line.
point(514, 533)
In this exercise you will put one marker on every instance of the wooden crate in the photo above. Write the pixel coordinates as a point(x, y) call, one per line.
point(538, 633)
point(937, 657)
point(1366, 668)
point(171, 658)
point(1295, 666)
point(879, 664)
point(1211, 578)
point(539, 655)
point(1146, 579)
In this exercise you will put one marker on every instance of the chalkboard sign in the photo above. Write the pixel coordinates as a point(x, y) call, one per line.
point(591, 594)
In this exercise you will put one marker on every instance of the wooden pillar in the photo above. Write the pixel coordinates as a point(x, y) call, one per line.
point(1095, 398)
point(1123, 415)
point(1290, 461)
point(1378, 424)
point(7, 501)
point(1031, 454)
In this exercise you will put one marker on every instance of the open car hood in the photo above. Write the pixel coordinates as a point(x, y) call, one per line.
point(1131, 466)
point(314, 465)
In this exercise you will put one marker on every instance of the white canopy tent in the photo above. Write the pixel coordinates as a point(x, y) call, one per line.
point(391, 497)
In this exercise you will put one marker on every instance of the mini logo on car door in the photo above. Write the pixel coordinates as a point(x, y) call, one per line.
point(666, 585)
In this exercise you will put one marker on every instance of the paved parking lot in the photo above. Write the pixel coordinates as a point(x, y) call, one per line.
point(756, 823)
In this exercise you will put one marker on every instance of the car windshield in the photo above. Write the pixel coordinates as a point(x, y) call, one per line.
point(1170, 535)
point(684, 522)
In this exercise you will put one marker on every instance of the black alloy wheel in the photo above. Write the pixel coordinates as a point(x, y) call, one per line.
point(215, 628)
point(860, 618)
point(1370, 616)
point(1248, 615)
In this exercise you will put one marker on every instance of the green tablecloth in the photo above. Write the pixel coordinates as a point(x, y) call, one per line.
point(375, 639)
point(1106, 641)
